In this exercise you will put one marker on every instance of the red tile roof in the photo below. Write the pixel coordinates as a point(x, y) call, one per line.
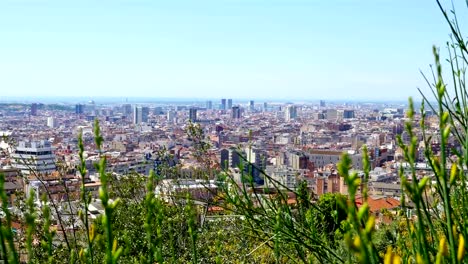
point(377, 204)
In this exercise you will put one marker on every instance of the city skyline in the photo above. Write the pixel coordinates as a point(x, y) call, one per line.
point(100, 100)
point(251, 49)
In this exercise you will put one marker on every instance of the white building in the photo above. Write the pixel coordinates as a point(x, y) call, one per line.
point(34, 157)
point(322, 157)
point(282, 177)
point(51, 122)
point(173, 191)
point(171, 116)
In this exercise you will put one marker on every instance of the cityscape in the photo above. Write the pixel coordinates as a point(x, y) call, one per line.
point(280, 145)
point(232, 131)
point(290, 142)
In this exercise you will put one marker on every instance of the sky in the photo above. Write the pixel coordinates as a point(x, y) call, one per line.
point(270, 49)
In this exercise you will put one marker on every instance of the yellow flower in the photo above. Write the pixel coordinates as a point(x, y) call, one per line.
point(443, 246)
point(461, 247)
point(419, 259)
point(357, 242)
point(391, 258)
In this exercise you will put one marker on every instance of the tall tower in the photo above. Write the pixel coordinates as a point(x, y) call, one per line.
point(193, 114)
point(170, 116)
point(348, 114)
point(251, 105)
point(290, 112)
point(209, 105)
point(223, 104)
point(144, 114)
point(79, 109)
point(229, 103)
point(140, 114)
point(236, 113)
point(136, 115)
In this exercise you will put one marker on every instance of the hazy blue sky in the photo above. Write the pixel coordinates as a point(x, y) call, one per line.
point(347, 49)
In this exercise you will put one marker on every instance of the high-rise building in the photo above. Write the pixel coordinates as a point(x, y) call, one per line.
point(230, 158)
point(193, 114)
point(229, 103)
point(170, 116)
point(348, 114)
point(322, 103)
point(137, 115)
point(34, 158)
point(251, 105)
point(51, 122)
point(256, 163)
point(236, 112)
point(265, 107)
point(140, 114)
point(290, 112)
point(144, 114)
point(34, 109)
point(209, 105)
point(223, 104)
point(79, 109)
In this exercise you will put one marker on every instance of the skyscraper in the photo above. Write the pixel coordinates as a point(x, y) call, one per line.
point(144, 114)
point(236, 113)
point(79, 109)
point(252, 105)
point(223, 104)
point(265, 107)
point(230, 158)
point(209, 105)
point(290, 112)
point(193, 114)
point(137, 115)
point(229, 103)
point(322, 103)
point(348, 114)
point(170, 116)
point(140, 114)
